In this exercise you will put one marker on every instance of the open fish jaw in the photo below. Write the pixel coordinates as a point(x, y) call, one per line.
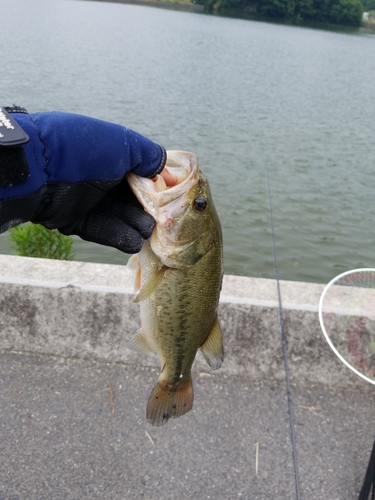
point(154, 194)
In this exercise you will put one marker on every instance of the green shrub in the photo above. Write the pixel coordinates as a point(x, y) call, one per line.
point(347, 12)
point(368, 5)
point(34, 240)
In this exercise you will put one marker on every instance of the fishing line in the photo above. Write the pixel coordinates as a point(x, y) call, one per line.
point(284, 346)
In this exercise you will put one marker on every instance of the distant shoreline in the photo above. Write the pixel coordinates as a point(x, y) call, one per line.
point(366, 26)
point(188, 7)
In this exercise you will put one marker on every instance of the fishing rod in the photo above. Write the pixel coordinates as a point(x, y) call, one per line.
point(284, 345)
point(347, 319)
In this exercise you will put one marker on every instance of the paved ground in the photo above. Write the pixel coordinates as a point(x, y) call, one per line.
point(73, 429)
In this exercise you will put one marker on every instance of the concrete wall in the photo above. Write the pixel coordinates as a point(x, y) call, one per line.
point(75, 309)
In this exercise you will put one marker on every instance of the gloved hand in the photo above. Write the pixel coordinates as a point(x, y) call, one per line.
point(76, 178)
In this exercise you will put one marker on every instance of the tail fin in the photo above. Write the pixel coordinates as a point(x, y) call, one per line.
point(165, 403)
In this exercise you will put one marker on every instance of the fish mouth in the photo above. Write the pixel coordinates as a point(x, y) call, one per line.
point(165, 195)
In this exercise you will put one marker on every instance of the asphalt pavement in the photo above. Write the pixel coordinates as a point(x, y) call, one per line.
point(76, 429)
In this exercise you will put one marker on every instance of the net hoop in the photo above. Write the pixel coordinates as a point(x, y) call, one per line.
point(320, 310)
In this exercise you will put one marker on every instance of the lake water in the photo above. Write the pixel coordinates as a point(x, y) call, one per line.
point(247, 97)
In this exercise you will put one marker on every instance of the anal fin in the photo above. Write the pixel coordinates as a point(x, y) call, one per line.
point(212, 347)
point(139, 343)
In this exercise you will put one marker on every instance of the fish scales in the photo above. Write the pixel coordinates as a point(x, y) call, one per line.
point(172, 312)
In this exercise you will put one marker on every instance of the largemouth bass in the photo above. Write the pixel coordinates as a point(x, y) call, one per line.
point(179, 274)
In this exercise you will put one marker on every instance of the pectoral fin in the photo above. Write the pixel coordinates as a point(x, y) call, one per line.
point(151, 285)
point(139, 343)
point(212, 348)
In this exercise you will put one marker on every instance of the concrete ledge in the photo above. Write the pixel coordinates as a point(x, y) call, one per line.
point(76, 309)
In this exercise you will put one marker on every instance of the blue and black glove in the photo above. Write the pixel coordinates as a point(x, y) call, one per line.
point(70, 176)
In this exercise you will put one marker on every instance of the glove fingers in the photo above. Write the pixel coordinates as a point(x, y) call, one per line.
point(122, 203)
point(135, 217)
point(109, 231)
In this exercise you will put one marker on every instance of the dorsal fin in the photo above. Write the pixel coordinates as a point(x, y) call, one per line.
point(212, 347)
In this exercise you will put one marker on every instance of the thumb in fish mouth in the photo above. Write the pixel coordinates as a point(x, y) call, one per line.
point(165, 403)
point(169, 179)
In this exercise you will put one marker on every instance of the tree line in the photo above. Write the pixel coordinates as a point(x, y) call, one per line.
point(344, 12)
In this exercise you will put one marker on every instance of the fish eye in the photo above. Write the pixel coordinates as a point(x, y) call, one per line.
point(200, 203)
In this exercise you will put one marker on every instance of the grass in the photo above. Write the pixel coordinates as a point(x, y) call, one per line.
point(34, 240)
